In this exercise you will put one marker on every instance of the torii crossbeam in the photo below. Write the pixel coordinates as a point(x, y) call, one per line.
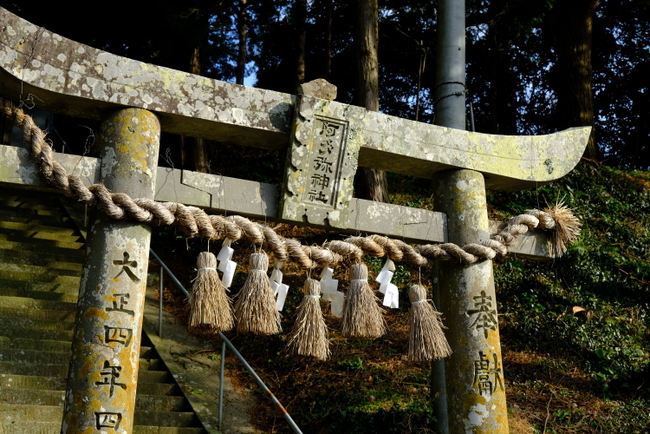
point(71, 78)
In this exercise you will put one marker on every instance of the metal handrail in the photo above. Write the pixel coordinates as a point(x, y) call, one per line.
point(225, 343)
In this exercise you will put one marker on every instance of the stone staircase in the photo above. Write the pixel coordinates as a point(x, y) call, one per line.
point(41, 255)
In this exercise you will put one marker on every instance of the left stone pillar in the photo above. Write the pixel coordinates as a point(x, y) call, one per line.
point(103, 373)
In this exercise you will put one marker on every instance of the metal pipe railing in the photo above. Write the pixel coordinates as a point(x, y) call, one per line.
point(225, 343)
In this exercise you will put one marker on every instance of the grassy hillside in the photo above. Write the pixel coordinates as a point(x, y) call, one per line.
point(591, 368)
point(565, 372)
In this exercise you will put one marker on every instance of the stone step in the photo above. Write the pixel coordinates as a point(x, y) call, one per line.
point(61, 228)
point(53, 287)
point(40, 258)
point(39, 205)
point(34, 344)
point(41, 357)
point(55, 428)
point(55, 397)
point(11, 272)
point(19, 241)
point(159, 389)
point(52, 335)
point(35, 357)
point(44, 237)
point(140, 429)
point(30, 382)
point(17, 323)
point(16, 303)
point(40, 295)
point(37, 314)
point(17, 265)
point(72, 251)
point(149, 373)
point(11, 414)
point(45, 370)
point(26, 216)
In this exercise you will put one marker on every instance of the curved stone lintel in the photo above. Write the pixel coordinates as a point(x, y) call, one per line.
point(64, 76)
point(67, 77)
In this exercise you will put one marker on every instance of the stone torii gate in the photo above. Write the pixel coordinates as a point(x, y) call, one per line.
point(327, 140)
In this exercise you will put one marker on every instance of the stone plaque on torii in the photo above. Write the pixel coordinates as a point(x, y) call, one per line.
point(327, 140)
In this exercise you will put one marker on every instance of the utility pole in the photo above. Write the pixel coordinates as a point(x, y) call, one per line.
point(473, 388)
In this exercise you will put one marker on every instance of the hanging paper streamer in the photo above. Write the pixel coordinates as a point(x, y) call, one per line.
point(390, 291)
point(426, 338)
point(328, 285)
point(279, 288)
point(329, 289)
point(391, 297)
point(362, 317)
point(226, 265)
point(309, 334)
point(255, 308)
point(209, 303)
point(385, 275)
point(337, 302)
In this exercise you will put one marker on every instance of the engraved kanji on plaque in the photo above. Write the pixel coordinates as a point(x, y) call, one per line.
point(321, 162)
point(325, 161)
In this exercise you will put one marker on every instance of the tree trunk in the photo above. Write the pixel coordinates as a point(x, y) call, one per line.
point(301, 21)
point(571, 26)
point(501, 97)
point(328, 43)
point(369, 183)
point(242, 29)
point(197, 145)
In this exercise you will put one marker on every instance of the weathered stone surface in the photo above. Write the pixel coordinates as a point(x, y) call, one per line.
point(476, 400)
point(64, 76)
point(17, 168)
point(507, 162)
point(318, 88)
point(321, 163)
point(219, 193)
point(101, 387)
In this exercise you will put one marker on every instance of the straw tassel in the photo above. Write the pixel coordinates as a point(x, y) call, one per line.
point(309, 334)
point(426, 339)
point(566, 230)
point(362, 316)
point(255, 308)
point(209, 303)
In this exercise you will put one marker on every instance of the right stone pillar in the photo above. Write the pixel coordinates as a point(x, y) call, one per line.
point(475, 391)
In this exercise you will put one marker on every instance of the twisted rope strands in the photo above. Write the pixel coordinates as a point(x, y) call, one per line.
point(195, 222)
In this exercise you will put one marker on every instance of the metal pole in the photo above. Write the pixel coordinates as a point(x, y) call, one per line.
point(160, 302)
point(221, 379)
point(474, 391)
point(103, 374)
